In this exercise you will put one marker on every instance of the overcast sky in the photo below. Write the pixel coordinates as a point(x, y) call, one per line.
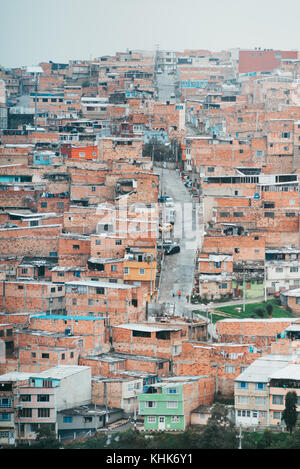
point(33, 31)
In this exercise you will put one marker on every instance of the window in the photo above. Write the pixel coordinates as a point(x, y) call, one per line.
point(68, 419)
point(43, 413)
point(142, 271)
point(285, 135)
point(25, 413)
point(43, 397)
point(45, 355)
point(98, 242)
point(88, 419)
point(243, 400)
point(91, 302)
point(126, 270)
point(175, 419)
point(5, 403)
point(5, 417)
point(224, 214)
point(242, 385)
point(290, 214)
point(259, 153)
point(293, 269)
point(150, 404)
point(277, 415)
point(60, 205)
point(238, 214)
point(114, 268)
point(269, 215)
point(277, 399)
point(260, 401)
point(229, 369)
point(279, 269)
point(43, 204)
point(93, 188)
point(172, 405)
point(118, 242)
point(269, 205)
point(151, 419)
point(47, 383)
point(141, 334)
point(223, 286)
point(100, 290)
point(53, 290)
point(76, 246)
point(25, 398)
point(172, 391)
point(63, 356)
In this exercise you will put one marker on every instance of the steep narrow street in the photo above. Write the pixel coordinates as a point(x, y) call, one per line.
point(178, 269)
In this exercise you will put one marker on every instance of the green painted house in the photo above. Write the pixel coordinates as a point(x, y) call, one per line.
point(167, 405)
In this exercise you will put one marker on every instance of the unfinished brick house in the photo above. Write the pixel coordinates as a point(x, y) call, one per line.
point(222, 361)
point(119, 364)
point(259, 332)
point(32, 296)
point(162, 341)
point(117, 301)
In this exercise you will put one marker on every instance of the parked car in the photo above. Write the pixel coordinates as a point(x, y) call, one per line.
point(173, 249)
point(165, 244)
point(165, 198)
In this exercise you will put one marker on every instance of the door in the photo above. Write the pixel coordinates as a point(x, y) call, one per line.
point(161, 423)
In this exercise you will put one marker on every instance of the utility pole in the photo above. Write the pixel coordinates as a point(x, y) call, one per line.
point(240, 437)
point(265, 280)
point(35, 102)
point(244, 305)
point(134, 409)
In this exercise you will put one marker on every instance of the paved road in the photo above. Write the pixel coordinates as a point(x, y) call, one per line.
point(178, 269)
point(165, 87)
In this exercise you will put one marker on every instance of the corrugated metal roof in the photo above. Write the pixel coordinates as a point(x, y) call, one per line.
point(263, 368)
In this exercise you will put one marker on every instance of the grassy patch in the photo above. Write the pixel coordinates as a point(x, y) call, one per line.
point(236, 311)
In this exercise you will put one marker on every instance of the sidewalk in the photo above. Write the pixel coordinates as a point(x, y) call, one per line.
point(240, 301)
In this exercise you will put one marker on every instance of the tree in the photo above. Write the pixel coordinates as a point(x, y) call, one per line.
point(259, 312)
point(289, 415)
point(46, 438)
point(269, 308)
point(219, 433)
